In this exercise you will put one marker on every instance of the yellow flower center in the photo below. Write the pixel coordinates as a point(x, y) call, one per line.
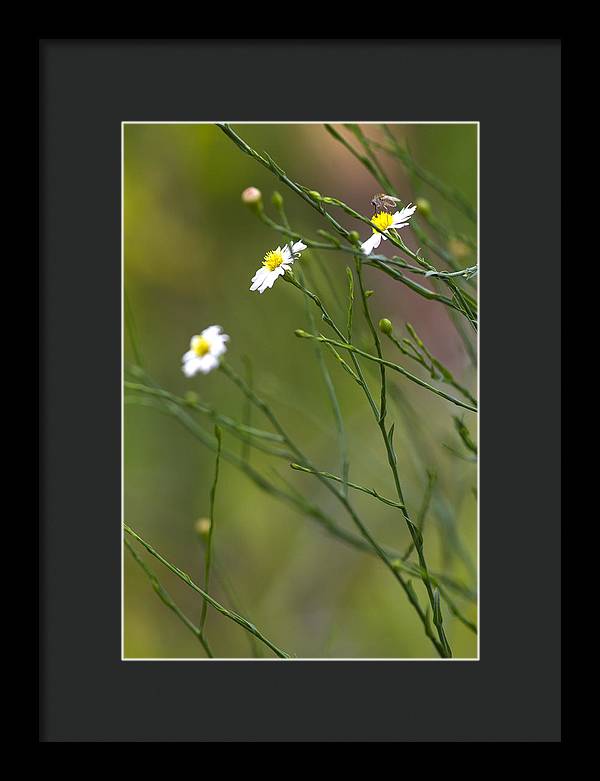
point(273, 259)
point(383, 221)
point(200, 346)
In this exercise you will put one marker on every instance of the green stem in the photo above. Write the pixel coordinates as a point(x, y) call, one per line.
point(400, 369)
point(301, 504)
point(343, 499)
point(337, 413)
point(431, 478)
point(238, 619)
point(329, 476)
point(208, 552)
point(165, 597)
point(247, 434)
point(451, 195)
point(415, 534)
point(317, 203)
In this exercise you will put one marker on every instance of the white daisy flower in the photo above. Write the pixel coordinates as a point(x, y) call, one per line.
point(206, 349)
point(275, 264)
point(384, 222)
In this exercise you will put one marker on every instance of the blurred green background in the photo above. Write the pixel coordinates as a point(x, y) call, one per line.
point(190, 249)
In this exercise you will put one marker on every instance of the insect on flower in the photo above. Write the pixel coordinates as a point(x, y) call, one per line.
point(275, 264)
point(384, 221)
point(205, 350)
point(384, 203)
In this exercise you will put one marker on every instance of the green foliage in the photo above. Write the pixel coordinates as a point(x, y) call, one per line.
point(355, 347)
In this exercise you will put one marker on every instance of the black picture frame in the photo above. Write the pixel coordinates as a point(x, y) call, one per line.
point(87, 88)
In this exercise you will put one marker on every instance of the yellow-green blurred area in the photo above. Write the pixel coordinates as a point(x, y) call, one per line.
point(190, 249)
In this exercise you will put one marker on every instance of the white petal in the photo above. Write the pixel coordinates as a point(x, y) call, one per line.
point(298, 247)
point(218, 347)
point(191, 366)
point(400, 219)
point(259, 277)
point(211, 332)
point(371, 243)
point(286, 253)
point(207, 363)
point(188, 356)
point(268, 281)
point(260, 273)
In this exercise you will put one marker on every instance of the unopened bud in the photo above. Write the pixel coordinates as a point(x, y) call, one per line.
point(423, 206)
point(458, 248)
point(354, 237)
point(315, 195)
point(385, 326)
point(369, 293)
point(191, 397)
point(202, 527)
point(300, 332)
point(277, 200)
point(252, 197)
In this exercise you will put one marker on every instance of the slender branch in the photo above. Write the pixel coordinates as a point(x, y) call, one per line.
point(165, 597)
point(211, 528)
point(400, 369)
point(315, 200)
point(451, 195)
point(238, 619)
point(387, 436)
point(436, 368)
point(299, 502)
point(329, 476)
point(431, 478)
point(441, 648)
point(337, 413)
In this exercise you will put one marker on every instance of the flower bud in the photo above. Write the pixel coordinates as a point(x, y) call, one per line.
point(191, 397)
point(369, 293)
point(354, 237)
point(316, 196)
point(385, 326)
point(300, 332)
point(277, 200)
point(202, 527)
point(458, 248)
point(423, 206)
point(252, 197)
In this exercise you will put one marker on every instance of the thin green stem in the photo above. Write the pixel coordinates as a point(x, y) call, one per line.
point(310, 510)
point(329, 476)
point(337, 413)
point(238, 619)
point(318, 202)
point(387, 436)
point(132, 331)
point(247, 413)
point(211, 528)
point(436, 368)
point(453, 196)
point(373, 166)
point(394, 366)
point(249, 435)
point(441, 648)
point(165, 597)
point(293, 498)
point(358, 373)
point(431, 478)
